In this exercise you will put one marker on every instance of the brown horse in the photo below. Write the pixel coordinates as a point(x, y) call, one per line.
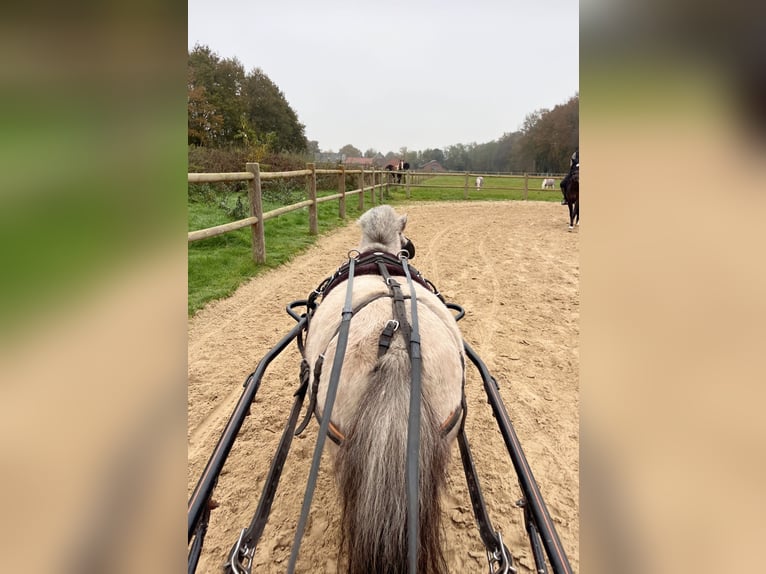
point(369, 418)
point(572, 197)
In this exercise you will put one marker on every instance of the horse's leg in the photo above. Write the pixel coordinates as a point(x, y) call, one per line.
point(571, 207)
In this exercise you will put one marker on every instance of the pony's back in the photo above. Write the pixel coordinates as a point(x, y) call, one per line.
point(371, 412)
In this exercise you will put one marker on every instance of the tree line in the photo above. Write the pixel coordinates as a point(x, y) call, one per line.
point(544, 144)
point(229, 109)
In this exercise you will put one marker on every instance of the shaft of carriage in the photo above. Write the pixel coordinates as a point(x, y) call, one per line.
point(537, 518)
point(533, 499)
point(202, 493)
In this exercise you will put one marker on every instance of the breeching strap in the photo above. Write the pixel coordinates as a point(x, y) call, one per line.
point(332, 388)
point(413, 430)
point(241, 556)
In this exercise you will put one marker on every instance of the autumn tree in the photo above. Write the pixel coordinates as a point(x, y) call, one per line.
point(205, 123)
point(549, 137)
point(222, 80)
point(227, 108)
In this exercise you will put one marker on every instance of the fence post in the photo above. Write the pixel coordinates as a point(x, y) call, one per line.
point(465, 187)
point(342, 191)
point(372, 190)
point(374, 185)
point(407, 184)
point(256, 210)
point(526, 185)
point(360, 179)
point(311, 187)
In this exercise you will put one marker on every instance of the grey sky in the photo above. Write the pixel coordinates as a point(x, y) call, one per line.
point(417, 74)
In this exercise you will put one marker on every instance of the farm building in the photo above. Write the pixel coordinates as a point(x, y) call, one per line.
point(363, 162)
point(432, 165)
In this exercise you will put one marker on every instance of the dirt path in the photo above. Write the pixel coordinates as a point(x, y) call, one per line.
point(514, 268)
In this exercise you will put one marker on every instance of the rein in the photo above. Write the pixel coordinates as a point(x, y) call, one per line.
point(388, 267)
point(413, 428)
point(332, 389)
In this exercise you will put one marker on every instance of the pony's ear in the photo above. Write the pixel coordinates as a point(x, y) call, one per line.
point(403, 222)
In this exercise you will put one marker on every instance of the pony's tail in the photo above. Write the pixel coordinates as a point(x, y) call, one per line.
point(371, 469)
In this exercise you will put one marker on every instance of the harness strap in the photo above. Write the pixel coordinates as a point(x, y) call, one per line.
point(413, 429)
point(332, 390)
point(336, 436)
point(367, 264)
point(240, 558)
point(452, 420)
point(312, 406)
point(400, 313)
point(384, 341)
point(313, 394)
point(493, 542)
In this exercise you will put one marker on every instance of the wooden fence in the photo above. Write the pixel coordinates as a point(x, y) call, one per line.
point(415, 178)
point(374, 180)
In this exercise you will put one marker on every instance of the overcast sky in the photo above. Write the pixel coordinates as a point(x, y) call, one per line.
point(418, 74)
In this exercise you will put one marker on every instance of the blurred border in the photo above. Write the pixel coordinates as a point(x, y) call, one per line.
point(92, 223)
point(672, 285)
point(93, 296)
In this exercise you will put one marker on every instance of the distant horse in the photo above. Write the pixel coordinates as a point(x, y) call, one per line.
point(572, 197)
point(370, 415)
point(548, 183)
point(479, 183)
point(403, 166)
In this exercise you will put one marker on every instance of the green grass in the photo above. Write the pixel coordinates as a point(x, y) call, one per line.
point(219, 265)
point(491, 191)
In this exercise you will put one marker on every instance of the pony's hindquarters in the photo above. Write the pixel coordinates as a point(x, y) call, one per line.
point(371, 412)
point(370, 467)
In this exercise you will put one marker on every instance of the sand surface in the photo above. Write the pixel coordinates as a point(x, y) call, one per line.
point(513, 267)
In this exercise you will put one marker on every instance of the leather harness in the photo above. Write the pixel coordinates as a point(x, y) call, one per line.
point(388, 267)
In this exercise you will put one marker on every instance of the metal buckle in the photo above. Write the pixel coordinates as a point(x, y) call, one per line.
point(393, 322)
point(241, 557)
point(500, 555)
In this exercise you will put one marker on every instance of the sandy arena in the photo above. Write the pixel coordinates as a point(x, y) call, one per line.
point(514, 268)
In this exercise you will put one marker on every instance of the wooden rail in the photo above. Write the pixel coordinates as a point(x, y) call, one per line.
point(375, 180)
point(468, 179)
point(257, 217)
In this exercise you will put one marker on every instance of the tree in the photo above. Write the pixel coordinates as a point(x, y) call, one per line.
point(229, 108)
point(548, 138)
point(222, 81)
point(432, 154)
point(204, 122)
point(350, 151)
point(371, 152)
point(269, 113)
point(313, 146)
